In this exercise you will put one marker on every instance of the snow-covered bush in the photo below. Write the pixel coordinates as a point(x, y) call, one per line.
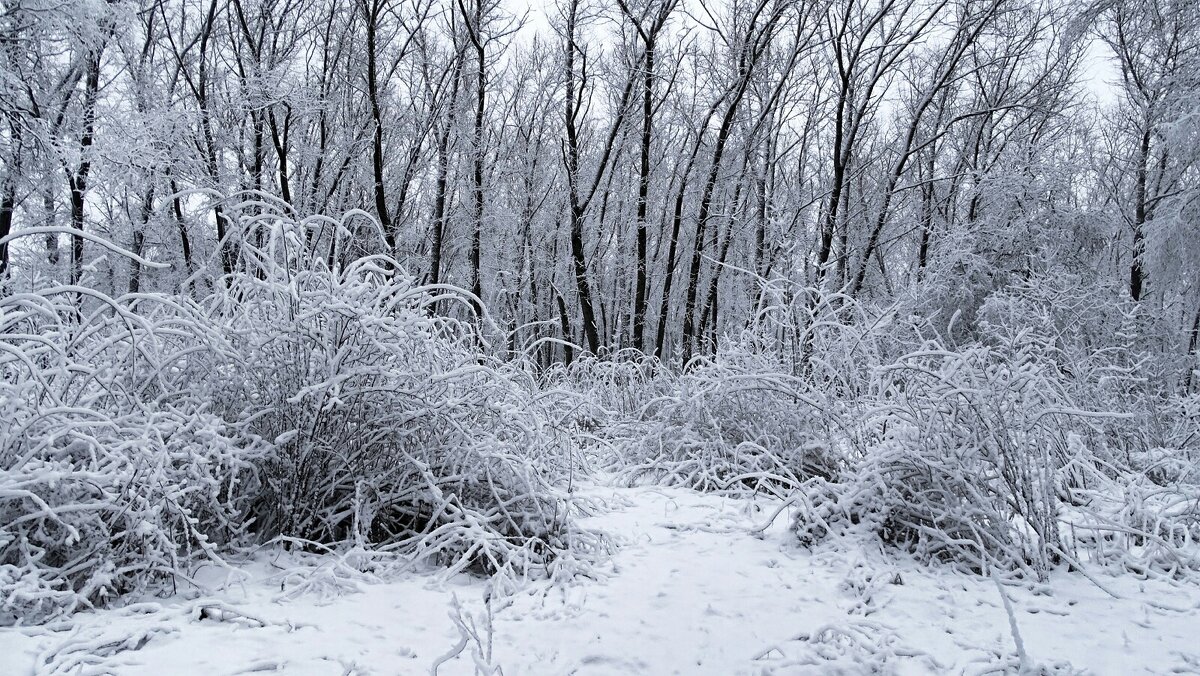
point(1144, 515)
point(611, 386)
point(387, 426)
point(828, 340)
point(593, 398)
point(1105, 353)
point(964, 462)
point(772, 408)
point(111, 474)
point(732, 424)
point(305, 398)
point(983, 457)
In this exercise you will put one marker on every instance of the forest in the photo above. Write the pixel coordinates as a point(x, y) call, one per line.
point(375, 291)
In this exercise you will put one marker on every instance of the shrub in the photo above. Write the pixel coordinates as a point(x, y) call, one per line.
point(983, 457)
point(303, 399)
point(111, 477)
point(387, 426)
point(732, 427)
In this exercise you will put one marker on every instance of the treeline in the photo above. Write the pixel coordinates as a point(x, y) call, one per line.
point(643, 174)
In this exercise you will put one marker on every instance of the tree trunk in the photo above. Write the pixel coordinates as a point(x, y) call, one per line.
point(1136, 271)
point(639, 293)
point(139, 238)
point(78, 178)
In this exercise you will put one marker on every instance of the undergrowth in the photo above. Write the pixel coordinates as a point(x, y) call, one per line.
point(305, 399)
point(330, 403)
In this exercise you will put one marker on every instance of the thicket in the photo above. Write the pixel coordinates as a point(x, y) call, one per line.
point(296, 402)
point(1056, 428)
point(319, 403)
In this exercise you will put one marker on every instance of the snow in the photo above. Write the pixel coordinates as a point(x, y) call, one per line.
point(690, 589)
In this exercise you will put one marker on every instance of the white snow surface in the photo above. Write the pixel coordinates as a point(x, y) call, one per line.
point(690, 589)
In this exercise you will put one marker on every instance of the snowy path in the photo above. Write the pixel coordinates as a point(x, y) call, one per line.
point(692, 593)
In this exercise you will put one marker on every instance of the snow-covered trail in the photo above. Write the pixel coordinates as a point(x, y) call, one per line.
point(691, 591)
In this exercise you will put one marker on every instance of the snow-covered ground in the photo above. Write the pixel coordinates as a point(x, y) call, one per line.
point(691, 591)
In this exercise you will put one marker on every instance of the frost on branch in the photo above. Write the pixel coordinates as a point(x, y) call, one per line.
point(113, 473)
point(1026, 448)
point(319, 404)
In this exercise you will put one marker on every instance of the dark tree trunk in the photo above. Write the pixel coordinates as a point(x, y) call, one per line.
point(564, 321)
point(1136, 271)
point(8, 201)
point(477, 205)
point(78, 178)
point(371, 11)
point(139, 238)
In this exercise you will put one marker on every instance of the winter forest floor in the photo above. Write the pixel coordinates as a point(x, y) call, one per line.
point(690, 589)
